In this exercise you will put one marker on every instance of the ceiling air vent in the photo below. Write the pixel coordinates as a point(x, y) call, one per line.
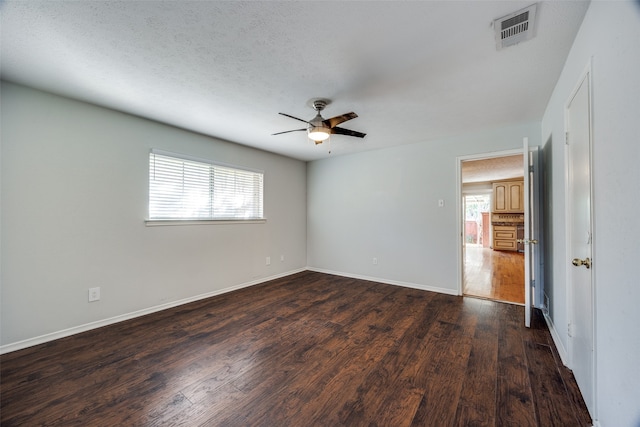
point(515, 27)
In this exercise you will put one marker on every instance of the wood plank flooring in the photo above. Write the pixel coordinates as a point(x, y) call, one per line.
point(497, 275)
point(307, 350)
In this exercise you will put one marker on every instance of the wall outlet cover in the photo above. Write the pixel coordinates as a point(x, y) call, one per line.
point(94, 294)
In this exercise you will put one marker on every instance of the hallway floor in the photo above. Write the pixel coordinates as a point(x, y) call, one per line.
point(496, 275)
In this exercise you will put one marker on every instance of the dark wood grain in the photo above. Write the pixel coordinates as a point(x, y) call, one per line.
point(513, 384)
point(477, 404)
point(573, 397)
point(305, 350)
point(548, 386)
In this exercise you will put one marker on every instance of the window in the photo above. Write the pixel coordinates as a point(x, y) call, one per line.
point(474, 206)
point(184, 188)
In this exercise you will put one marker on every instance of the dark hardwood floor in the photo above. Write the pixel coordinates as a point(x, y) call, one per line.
point(307, 350)
point(497, 275)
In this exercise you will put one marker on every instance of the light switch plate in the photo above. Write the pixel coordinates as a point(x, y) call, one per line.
point(94, 294)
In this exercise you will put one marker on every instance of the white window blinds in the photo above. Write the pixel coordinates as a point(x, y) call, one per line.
point(189, 189)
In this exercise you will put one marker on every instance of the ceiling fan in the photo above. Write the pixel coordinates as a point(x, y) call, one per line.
point(319, 129)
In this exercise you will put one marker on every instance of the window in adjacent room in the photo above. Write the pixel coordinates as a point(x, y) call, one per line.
point(185, 188)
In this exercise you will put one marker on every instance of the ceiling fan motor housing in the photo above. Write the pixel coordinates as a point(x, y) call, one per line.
point(318, 104)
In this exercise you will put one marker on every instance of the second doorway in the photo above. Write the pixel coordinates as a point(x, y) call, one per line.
point(493, 261)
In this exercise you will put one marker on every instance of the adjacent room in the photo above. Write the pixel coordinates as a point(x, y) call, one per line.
point(294, 213)
point(493, 206)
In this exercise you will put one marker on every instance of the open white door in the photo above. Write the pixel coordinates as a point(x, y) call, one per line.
point(530, 241)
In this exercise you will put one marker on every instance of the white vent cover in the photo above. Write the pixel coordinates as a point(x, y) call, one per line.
point(515, 27)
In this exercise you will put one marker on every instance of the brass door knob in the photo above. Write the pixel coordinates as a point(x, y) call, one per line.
point(578, 262)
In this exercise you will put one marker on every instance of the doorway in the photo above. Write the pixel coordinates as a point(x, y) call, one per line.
point(492, 261)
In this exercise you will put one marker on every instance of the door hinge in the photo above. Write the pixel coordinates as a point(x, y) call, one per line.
point(566, 138)
point(570, 330)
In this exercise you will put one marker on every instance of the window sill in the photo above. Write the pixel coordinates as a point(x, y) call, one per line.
point(165, 222)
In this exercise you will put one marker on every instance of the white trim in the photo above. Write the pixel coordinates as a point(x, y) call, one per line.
point(387, 281)
point(556, 339)
point(490, 155)
point(7, 348)
point(594, 238)
point(567, 230)
point(104, 322)
point(19, 345)
point(164, 222)
point(460, 206)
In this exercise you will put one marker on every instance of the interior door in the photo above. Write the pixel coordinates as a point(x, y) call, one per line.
point(530, 241)
point(581, 331)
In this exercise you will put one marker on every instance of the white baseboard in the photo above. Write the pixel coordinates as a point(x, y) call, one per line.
point(30, 342)
point(556, 340)
point(7, 348)
point(387, 281)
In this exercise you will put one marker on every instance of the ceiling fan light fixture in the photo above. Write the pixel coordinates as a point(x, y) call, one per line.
point(318, 134)
point(320, 129)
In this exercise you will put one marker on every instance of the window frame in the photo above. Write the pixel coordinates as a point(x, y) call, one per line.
point(199, 221)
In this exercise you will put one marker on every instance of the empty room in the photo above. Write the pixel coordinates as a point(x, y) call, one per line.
point(241, 213)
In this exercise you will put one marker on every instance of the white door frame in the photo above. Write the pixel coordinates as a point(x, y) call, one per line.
point(585, 76)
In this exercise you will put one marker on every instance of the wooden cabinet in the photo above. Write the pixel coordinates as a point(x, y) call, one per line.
point(504, 237)
point(508, 197)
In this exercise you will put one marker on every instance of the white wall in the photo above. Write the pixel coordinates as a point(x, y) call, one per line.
point(74, 200)
point(610, 35)
point(477, 188)
point(384, 204)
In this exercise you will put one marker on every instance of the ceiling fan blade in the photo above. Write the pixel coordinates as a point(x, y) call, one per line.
point(288, 115)
point(342, 131)
point(287, 131)
point(335, 121)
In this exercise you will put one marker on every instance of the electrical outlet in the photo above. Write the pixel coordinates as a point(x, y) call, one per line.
point(375, 261)
point(268, 260)
point(94, 294)
point(281, 258)
point(441, 203)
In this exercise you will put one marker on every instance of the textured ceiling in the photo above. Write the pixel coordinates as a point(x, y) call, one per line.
point(493, 169)
point(412, 70)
